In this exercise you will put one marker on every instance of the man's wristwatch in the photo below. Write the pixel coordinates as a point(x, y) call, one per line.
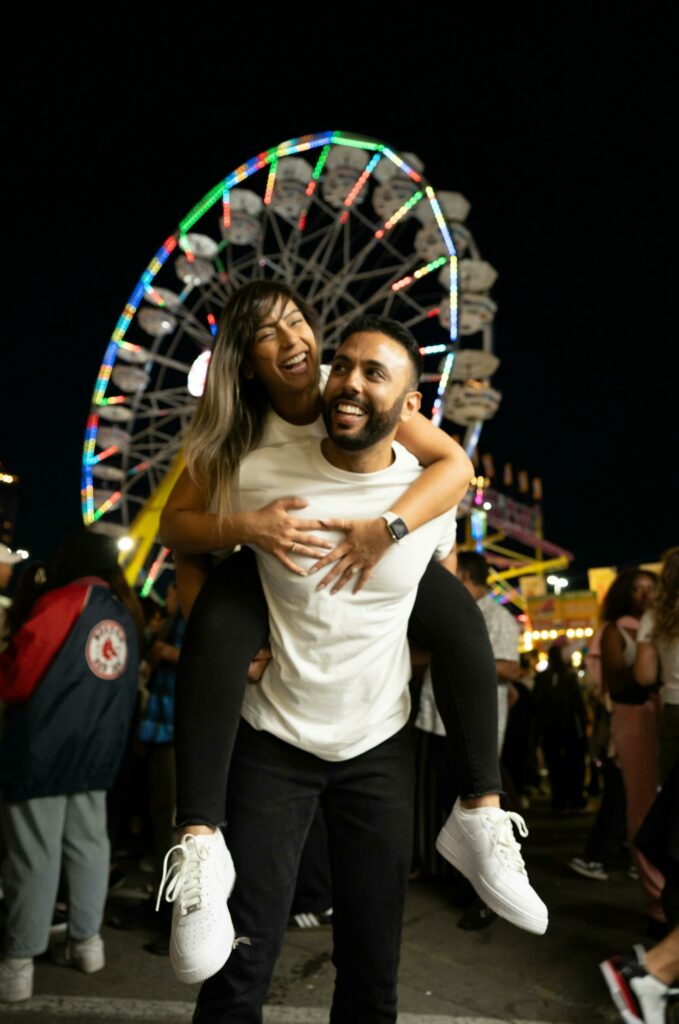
point(397, 528)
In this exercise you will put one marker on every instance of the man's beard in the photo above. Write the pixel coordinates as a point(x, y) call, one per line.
point(376, 425)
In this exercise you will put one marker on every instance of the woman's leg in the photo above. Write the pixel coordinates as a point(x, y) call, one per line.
point(477, 839)
point(447, 622)
point(228, 625)
point(634, 729)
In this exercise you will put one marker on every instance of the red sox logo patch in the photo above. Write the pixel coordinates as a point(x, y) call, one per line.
point(106, 649)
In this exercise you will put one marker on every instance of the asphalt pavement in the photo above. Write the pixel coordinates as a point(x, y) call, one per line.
point(448, 976)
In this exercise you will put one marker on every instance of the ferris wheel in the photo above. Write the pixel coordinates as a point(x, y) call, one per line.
point(353, 227)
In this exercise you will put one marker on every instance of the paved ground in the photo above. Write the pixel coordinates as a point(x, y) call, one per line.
point(448, 975)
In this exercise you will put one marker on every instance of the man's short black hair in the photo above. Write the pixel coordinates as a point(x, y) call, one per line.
point(474, 565)
point(373, 324)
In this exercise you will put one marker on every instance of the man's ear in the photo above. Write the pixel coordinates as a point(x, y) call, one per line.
point(411, 405)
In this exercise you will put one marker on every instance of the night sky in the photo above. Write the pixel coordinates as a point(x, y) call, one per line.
point(559, 131)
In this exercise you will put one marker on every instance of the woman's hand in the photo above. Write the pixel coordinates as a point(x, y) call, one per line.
point(357, 555)
point(273, 530)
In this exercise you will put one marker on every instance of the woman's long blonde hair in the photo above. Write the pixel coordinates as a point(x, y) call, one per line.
point(230, 417)
point(666, 606)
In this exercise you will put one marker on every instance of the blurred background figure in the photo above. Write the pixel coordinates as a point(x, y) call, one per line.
point(657, 658)
point(69, 678)
point(562, 730)
point(8, 559)
point(634, 718)
point(156, 736)
point(519, 755)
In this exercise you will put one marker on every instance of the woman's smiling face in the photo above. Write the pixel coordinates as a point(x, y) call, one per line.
point(284, 354)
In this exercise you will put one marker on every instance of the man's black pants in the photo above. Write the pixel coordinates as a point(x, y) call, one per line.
point(273, 792)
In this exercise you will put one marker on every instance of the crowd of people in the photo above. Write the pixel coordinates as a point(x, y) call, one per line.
point(273, 703)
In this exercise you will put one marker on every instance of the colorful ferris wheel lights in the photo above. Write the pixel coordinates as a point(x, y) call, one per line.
point(212, 322)
point(453, 298)
point(271, 181)
point(105, 454)
point(433, 312)
point(226, 207)
point(153, 572)
point(90, 438)
point(304, 143)
point(403, 283)
point(320, 164)
point(341, 140)
point(362, 179)
point(301, 224)
point(434, 265)
point(107, 505)
point(395, 159)
point(396, 217)
point(432, 350)
point(437, 410)
point(188, 251)
point(440, 220)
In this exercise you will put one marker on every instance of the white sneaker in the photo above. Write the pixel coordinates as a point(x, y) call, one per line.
point(199, 881)
point(86, 955)
point(481, 844)
point(16, 979)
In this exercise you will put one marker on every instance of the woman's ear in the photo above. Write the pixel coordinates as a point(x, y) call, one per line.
point(246, 370)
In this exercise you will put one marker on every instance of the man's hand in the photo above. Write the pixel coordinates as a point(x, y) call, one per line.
point(356, 556)
point(258, 664)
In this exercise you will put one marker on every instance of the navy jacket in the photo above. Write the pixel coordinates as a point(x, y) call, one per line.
point(71, 733)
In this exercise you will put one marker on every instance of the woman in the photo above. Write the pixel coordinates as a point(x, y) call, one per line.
point(658, 657)
point(264, 388)
point(69, 678)
point(634, 717)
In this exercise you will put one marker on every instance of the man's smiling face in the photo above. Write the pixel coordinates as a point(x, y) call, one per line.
point(370, 377)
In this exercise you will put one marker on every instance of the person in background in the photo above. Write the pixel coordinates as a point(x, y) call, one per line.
point(658, 657)
point(644, 984)
point(634, 719)
point(503, 630)
point(519, 749)
point(156, 733)
point(562, 729)
point(8, 559)
point(69, 678)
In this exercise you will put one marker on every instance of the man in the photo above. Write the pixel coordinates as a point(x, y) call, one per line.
point(503, 630)
point(328, 722)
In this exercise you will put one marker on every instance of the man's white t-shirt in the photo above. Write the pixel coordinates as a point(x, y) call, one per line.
point(337, 682)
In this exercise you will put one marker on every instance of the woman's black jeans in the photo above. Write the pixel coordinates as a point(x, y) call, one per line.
point(228, 625)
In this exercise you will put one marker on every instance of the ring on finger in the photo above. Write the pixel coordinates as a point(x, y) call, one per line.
point(293, 548)
point(352, 570)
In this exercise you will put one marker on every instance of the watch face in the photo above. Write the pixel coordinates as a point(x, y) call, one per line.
point(398, 529)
